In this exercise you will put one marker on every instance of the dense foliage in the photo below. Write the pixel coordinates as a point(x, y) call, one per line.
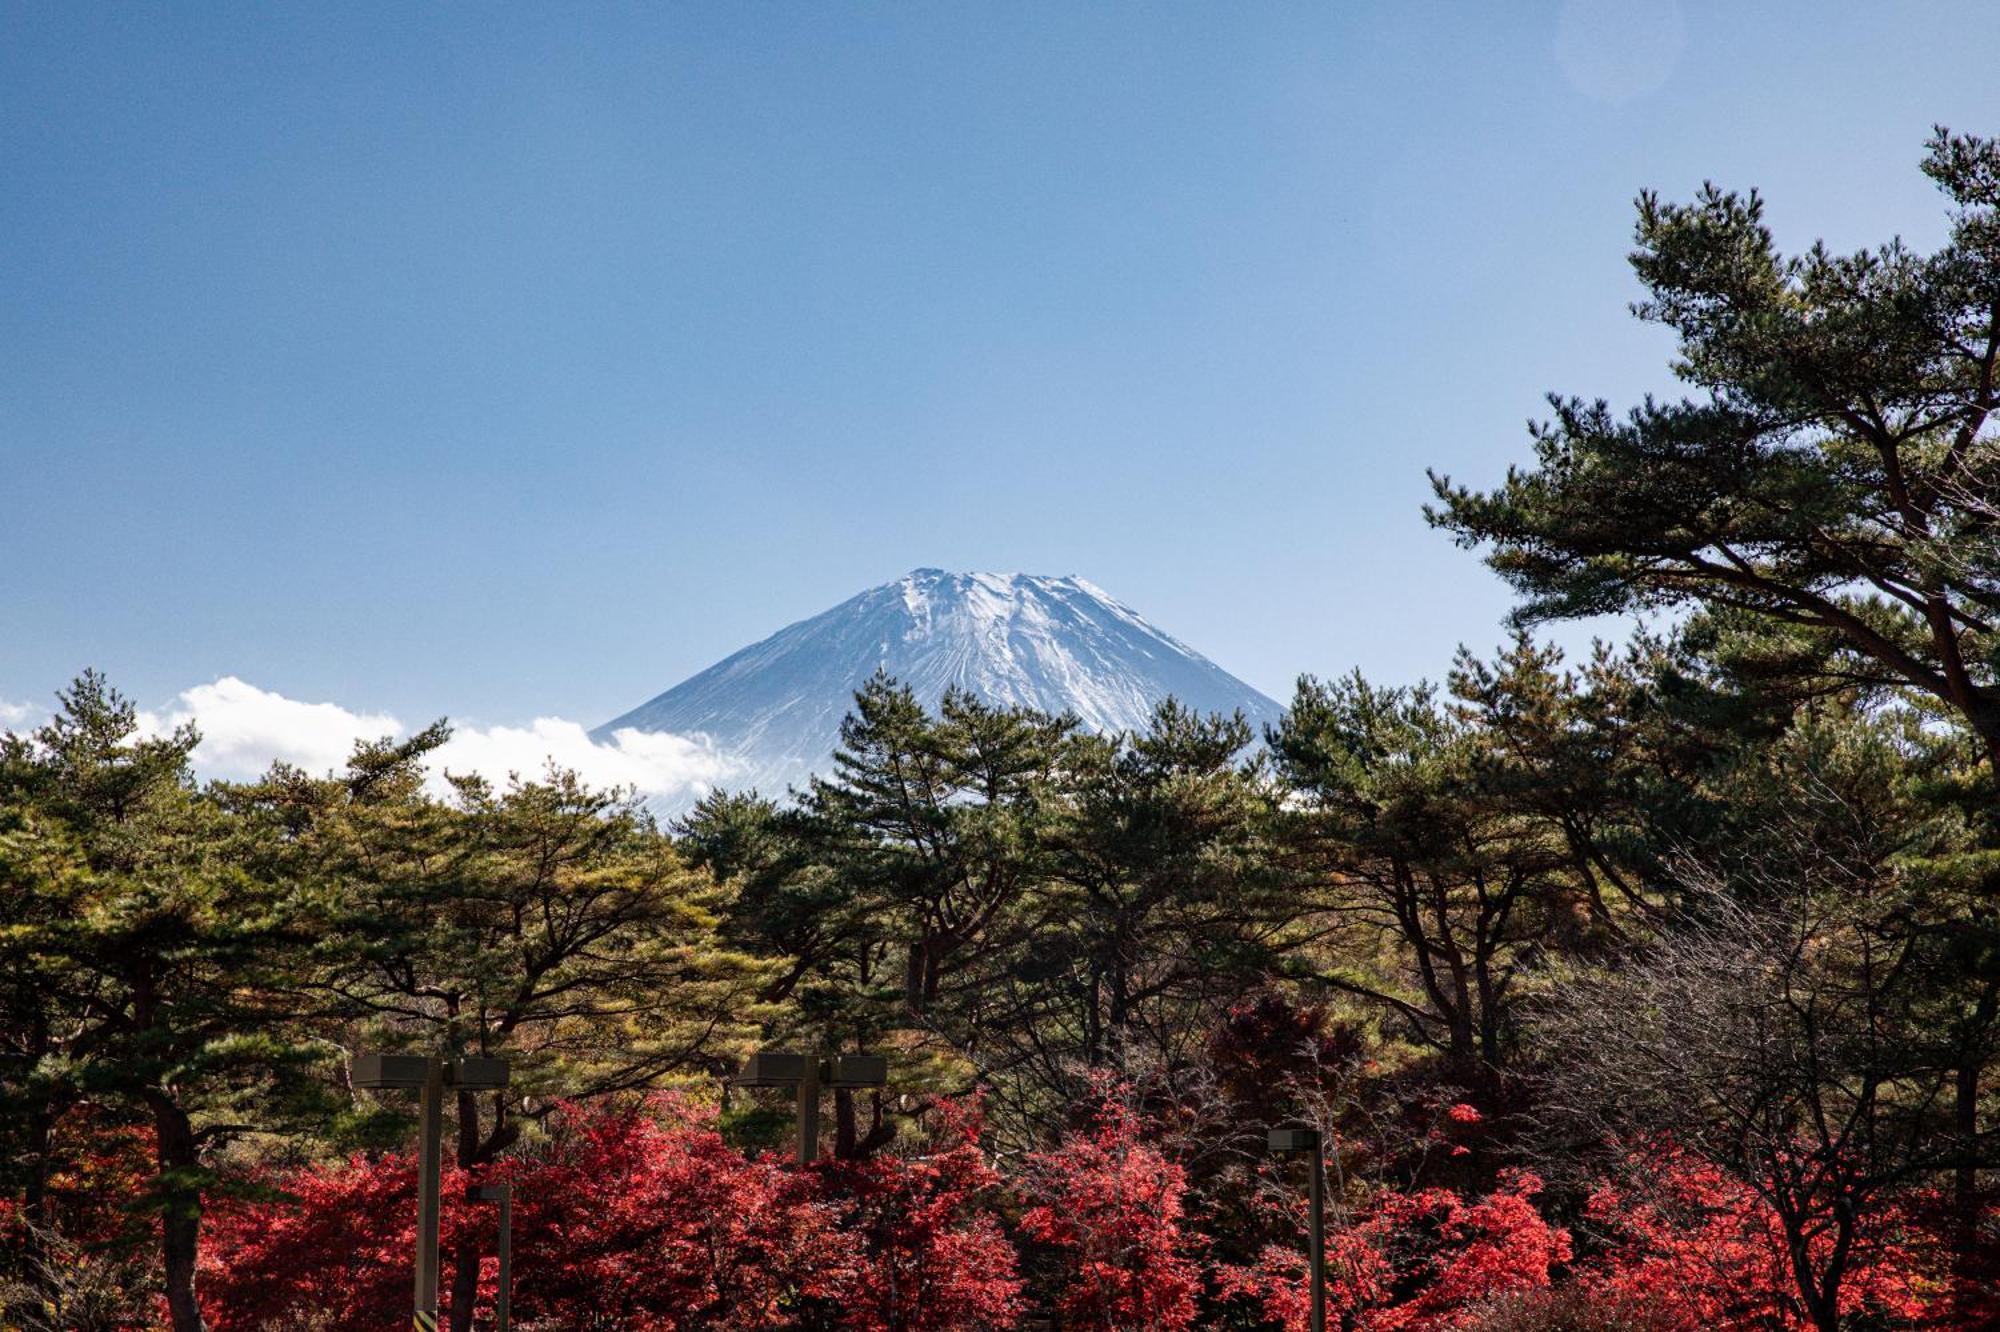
point(1658, 991)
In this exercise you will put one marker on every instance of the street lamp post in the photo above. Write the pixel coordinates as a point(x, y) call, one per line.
point(503, 1304)
point(1306, 1142)
point(810, 1074)
point(429, 1077)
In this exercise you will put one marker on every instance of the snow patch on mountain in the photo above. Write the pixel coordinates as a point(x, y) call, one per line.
point(1014, 640)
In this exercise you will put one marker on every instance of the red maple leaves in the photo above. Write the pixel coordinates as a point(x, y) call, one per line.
point(649, 1221)
point(645, 1223)
point(1110, 1208)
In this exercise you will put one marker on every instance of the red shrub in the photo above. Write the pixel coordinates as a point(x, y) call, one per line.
point(1415, 1262)
point(1711, 1253)
point(644, 1224)
point(651, 1223)
point(627, 1222)
point(923, 1257)
point(1110, 1208)
point(1448, 1254)
point(340, 1248)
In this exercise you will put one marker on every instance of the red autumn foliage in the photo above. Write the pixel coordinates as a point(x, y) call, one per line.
point(340, 1247)
point(1278, 1285)
point(645, 1223)
point(627, 1221)
point(651, 1222)
point(1707, 1252)
point(88, 1255)
point(1268, 1045)
point(1415, 1262)
point(100, 1173)
point(920, 1255)
point(1109, 1208)
point(1450, 1253)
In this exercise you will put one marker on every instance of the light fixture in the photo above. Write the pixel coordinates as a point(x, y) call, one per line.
point(430, 1078)
point(809, 1073)
point(1301, 1140)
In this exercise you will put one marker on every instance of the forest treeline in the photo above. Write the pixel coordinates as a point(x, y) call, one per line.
point(1657, 989)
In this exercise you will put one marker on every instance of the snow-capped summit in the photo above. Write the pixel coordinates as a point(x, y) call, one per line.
point(1056, 644)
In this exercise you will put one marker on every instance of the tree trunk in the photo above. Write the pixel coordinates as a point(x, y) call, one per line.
point(1823, 1312)
point(41, 1122)
point(35, 1209)
point(1121, 1012)
point(1819, 1291)
point(1968, 1256)
point(1093, 1021)
point(913, 978)
point(178, 1158)
point(1489, 1013)
point(849, 1142)
point(845, 1131)
point(1464, 1054)
point(35, 1189)
point(38, 1138)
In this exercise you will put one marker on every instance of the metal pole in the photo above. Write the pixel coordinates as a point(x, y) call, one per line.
point(809, 1111)
point(504, 1312)
point(430, 1159)
point(1318, 1229)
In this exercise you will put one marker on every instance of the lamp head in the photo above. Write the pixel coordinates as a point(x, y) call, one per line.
point(772, 1068)
point(477, 1073)
point(1287, 1141)
point(380, 1072)
point(857, 1071)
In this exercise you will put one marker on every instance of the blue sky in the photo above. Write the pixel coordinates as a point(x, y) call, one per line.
point(519, 360)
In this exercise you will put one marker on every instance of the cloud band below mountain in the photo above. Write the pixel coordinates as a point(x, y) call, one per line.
point(245, 729)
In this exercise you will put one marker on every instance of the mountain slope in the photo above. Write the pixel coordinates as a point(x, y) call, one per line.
point(1056, 644)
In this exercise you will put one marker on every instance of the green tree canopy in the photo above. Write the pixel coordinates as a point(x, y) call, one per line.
point(166, 970)
point(1835, 476)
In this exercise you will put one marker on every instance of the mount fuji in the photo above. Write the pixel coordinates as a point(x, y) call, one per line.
point(1014, 640)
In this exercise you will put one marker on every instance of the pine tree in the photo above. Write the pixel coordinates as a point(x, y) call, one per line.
point(1836, 476)
point(1418, 853)
point(1828, 500)
point(551, 924)
point(171, 972)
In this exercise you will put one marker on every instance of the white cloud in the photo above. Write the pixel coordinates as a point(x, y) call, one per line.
point(654, 763)
point(18, 716)
point(245, 729)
